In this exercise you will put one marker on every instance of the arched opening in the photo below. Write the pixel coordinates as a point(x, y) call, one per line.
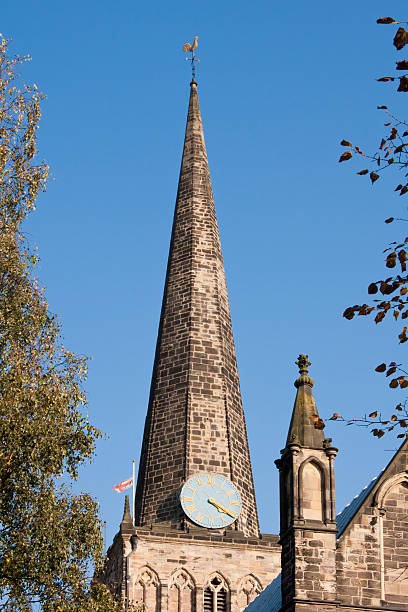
point(216, 595)
point(311, 490)
point(181, 592)
point(395, 542)
point(146, 589)
point(248, 588)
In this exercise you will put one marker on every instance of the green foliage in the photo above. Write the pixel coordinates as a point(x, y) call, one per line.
point(50, 539)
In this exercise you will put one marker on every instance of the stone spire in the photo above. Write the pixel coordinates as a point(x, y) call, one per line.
point(195, 422)
point(302, 428)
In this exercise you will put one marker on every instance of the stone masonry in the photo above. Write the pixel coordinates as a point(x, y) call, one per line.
point(195, 421)
point(168, 569)
point(355, 561)
point(195, 424)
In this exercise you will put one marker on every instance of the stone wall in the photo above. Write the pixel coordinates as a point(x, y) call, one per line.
point(169, 571)
point(372, 553)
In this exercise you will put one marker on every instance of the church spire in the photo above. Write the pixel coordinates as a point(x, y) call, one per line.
point(302, 428)
point(195, 422)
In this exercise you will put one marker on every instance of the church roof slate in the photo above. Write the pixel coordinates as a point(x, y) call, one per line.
point(269, 600)
point(349, 511)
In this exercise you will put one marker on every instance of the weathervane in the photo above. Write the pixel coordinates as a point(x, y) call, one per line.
point(187, 48)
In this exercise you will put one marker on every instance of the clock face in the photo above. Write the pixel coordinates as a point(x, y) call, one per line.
point(210, 500)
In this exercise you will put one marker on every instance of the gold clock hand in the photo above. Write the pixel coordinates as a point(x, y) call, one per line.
point(220, 508)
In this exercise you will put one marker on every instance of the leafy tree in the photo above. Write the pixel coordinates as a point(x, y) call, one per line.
point(50, 539)
point(392, 153)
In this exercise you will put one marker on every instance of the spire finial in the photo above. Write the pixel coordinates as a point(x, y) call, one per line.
point(187, 48)
point(303, 363)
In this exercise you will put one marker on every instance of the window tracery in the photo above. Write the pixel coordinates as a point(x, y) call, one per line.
point(249, 588)
point(146, 588)
point(216, 594)
point(181, 592)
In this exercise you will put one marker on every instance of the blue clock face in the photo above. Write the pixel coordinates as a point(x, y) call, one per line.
point(210, 500)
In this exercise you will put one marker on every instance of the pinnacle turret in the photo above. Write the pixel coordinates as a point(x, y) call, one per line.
point(127, 523)
point(303, 430)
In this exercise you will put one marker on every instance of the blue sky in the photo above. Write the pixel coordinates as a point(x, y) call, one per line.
point(280, 84)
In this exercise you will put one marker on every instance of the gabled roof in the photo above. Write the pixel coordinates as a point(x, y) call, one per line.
point(269, 600)
point(349, 511)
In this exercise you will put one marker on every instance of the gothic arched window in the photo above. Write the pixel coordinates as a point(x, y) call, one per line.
point(146, 589)
point(181, 592)
point(216, 595)
point(311, 489)
point(249, 587)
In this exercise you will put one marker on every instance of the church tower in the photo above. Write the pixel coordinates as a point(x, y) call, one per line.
point(195, 543)
point(307, 506)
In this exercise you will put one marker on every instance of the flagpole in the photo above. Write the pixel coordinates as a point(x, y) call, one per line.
point(133, 489)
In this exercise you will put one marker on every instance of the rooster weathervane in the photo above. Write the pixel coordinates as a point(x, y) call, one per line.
point(187, 48)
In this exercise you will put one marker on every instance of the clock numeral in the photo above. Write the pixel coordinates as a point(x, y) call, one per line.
point(192, 508)
point(224, 522)
point(210, 522)
point(234, 503)
point(191, 488)
point(188, 499)
point(200, 482)
point(211, 479)
point(199, 517)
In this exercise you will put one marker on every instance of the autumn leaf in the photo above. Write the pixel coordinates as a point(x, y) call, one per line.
point(373, 415)
point(400, 38)
point(335, 416)
point(382, 107)
point(362, 172)
point(346, 143)
point(385, 79)
point(348, 313)
point(319, 423)
point(381, 368)
point(385, 20)
point(385, 288)
point(402, 65)
point(374, 177)
point(372, 288)
point(391, 371)
point(403, 86)
point(391, 260)
point(389, 220)
point(345, 156)
point(379, 317)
